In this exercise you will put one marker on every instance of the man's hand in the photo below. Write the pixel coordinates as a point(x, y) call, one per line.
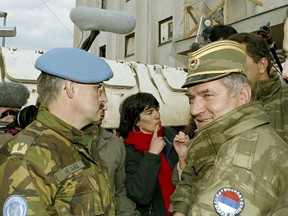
point(179, 144)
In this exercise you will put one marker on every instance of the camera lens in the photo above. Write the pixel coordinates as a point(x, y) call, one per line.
point(26, 116)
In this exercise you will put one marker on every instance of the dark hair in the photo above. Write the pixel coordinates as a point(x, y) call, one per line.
point(221, 31)
point(256, 47)
point(131, 108)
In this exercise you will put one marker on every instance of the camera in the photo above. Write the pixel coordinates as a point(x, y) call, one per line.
point(23, 117)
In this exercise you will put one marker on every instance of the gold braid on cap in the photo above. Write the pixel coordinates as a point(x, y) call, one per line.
point(218, 45)
point(235, 70)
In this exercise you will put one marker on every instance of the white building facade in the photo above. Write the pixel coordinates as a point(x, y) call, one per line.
point(165, 29)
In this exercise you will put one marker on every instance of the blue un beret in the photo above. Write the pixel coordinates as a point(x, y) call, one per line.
point(74, 64)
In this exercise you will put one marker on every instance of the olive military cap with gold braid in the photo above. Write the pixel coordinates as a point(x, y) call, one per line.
point(214, 61)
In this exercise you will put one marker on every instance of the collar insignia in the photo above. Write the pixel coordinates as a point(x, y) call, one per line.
point(19, 148)
point(228, 202)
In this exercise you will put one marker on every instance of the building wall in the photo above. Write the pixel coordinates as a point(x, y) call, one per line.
point(243, 15)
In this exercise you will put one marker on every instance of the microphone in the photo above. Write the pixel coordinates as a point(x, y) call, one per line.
point(94, 19)
point(13, 95)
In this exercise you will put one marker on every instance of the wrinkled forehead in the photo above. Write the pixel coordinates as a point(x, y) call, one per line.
point(206, 87)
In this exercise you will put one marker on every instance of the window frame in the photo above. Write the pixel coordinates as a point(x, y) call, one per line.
point(130, 48)
point(165, 25)
point(101, 50)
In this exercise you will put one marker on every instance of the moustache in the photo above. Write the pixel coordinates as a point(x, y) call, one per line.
point(101, 106)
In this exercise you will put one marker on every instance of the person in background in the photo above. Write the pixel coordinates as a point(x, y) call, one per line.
point(268, 85)
point(13, 96)
point(236, 162)
point(47, 169)
point(221, 32)
point(285, 47)
point(111, 150)
point(150, 154)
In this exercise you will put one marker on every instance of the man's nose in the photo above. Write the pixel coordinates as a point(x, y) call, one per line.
point(196, 107)
point(103, 98)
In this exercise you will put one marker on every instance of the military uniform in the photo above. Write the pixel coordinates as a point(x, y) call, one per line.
point(48, 170)
point(5, 138)
point(238, 154)
point(273, 95)
point(111, 149)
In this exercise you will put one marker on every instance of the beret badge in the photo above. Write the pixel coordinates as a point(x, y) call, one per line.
point(194, 63)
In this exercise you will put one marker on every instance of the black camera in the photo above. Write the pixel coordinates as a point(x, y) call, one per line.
point(23, 117)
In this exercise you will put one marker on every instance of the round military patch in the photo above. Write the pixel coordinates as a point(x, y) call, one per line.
point(15, 205)
point(228, 201)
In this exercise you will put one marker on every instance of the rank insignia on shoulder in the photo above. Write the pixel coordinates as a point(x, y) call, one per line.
point(15, 205)
point(19, 148)
point(228, 201)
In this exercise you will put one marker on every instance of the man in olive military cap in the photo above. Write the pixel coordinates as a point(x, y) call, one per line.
point(47, 169)
point(236, 163)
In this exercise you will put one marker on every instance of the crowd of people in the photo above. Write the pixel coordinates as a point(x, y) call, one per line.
point(230, 160)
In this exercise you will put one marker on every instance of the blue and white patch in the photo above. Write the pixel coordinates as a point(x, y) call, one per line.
point(15, 205)
point(228, 202)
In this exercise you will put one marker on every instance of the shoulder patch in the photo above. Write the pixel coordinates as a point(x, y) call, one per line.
point(15, 205)
point(228, 201)
point(21, 145)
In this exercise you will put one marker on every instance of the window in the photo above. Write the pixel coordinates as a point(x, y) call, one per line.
point(129, 45)
point(104, 4)
point(102, 51)
point(165, 30)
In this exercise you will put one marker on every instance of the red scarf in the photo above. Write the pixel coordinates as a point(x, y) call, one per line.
point(141, 142)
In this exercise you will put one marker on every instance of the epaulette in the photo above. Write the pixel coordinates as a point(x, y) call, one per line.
point(21, 144)
point(245, 151)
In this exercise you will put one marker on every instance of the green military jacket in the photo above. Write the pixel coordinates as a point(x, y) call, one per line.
point(273, 95)
point(111, 150)
point(237, 163)
point(47, 169)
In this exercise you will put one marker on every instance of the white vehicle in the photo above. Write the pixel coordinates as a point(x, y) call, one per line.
point(129, 77)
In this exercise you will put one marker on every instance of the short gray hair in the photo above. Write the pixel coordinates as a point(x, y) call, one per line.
point(235, 81)
point(48, 88)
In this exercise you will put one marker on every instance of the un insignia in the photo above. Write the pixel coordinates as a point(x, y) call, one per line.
point(194, 63)
point(228, 202)
point(15, 205)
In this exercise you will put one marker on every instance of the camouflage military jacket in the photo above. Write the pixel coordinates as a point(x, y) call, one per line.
point(47, 170)
point(273, 95)
point(237, 163)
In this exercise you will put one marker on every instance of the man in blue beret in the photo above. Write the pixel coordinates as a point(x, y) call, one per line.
point(47, 169)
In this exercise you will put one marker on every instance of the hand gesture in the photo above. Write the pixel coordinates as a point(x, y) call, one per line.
point(179, 144)
point(157, 143)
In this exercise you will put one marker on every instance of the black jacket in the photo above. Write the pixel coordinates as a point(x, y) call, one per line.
point(142, 169)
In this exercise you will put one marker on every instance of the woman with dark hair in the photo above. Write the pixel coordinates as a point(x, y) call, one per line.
point(151, 156)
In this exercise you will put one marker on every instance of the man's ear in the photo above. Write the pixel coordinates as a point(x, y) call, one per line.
point(262, 66)
point(245, 94)
point(69, 88)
